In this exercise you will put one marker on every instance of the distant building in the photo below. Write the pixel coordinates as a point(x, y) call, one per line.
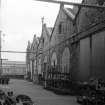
point(31, 58)
point(43, 51)
point(0, 37)
point(28, 71)
point(13, 68)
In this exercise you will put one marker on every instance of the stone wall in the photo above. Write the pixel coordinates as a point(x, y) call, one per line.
point(89, 16)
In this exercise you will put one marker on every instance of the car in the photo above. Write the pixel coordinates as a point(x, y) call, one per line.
point(82, 95)
point(26, 100)
point(1, 92)
point(81, 98)
point(6, 89)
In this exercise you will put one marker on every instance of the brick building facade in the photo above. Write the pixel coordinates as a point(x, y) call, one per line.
point(75, 48)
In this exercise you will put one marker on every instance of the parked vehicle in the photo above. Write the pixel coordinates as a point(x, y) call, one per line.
point(92, 94)
point(4, 80)
point(24, 99)
point(82, 95)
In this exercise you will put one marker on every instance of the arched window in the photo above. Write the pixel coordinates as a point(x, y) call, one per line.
point(66, 60)
point(54, 59)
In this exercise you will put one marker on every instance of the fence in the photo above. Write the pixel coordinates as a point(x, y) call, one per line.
point(55, 79)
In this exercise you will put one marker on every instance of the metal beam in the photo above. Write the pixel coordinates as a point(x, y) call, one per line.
point(75, 4)
point(9, 51)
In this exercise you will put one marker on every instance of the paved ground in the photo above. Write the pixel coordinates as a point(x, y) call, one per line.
point(39, 95)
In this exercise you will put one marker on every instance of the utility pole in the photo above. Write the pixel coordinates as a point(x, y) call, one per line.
point(0, 54)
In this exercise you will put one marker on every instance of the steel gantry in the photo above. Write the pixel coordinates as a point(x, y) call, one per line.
point(100, 6)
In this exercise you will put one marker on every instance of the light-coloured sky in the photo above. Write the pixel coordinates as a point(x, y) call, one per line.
point(21, 19)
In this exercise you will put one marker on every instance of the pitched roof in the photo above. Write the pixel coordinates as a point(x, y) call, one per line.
point(75, 9)
point(49, 30)
point(69, 12)
point(79, 8)
point(72, 13)
point(29, 45)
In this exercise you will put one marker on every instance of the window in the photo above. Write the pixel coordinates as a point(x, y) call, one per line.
point(64, 27)
point(43, 41)
point(60, 28)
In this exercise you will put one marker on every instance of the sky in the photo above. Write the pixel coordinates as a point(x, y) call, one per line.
point(21, 20)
